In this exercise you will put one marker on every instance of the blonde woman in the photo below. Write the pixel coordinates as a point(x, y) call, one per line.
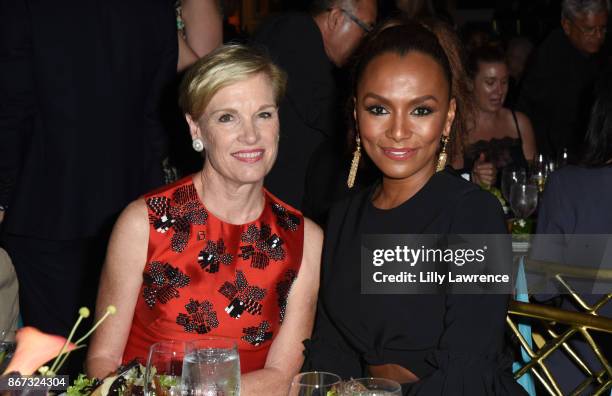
point(216, 254)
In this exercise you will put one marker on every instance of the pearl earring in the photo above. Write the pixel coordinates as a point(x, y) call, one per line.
point(197, 145)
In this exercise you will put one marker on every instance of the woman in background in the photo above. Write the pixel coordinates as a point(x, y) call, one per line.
point(200, 29)
point(500, 136)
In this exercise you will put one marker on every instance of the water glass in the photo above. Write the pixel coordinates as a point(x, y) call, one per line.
point(164, 369)
point(371, 387)
point(539, 172)
point(510, 176)
point(315, 383)
point(212, 367)
point(523, 199)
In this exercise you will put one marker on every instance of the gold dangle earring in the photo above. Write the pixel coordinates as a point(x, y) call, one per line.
point(354, 164)
point(443, 157)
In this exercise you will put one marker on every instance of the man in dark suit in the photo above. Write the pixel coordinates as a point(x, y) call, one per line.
point(309, 48)
point(80, 137)
point(557, 90)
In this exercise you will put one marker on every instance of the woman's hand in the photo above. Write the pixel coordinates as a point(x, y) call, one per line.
point(484, 173)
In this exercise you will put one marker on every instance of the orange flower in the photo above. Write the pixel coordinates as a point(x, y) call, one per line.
point(35, 348)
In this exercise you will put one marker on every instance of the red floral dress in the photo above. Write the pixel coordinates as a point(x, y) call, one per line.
point(205, 277)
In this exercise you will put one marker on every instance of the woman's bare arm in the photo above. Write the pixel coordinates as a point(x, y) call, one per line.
point(286, 353)
point(120, 284)
point(203, 30)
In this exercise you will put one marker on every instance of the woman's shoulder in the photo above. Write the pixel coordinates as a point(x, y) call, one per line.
point(575, 176)
point(280, 205)
point(451, 183)
point(169, 189)
point(473, 209)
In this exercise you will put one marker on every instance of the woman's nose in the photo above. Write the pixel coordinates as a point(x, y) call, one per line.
point(249, 133)
point(399, 129)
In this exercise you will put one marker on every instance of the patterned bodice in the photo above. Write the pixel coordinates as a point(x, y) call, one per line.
point(205, 277)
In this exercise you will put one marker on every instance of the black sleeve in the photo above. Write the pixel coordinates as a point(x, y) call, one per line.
point(328, 351)
point(16, 90)
point(470, 357)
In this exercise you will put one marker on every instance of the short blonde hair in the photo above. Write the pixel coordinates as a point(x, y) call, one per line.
point(222, 67)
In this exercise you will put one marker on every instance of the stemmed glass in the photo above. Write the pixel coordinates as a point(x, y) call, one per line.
point(371, 387)
point(523, 199)
point(212, 367)
point(511, 176)
point(316, 383)
point(164, 369)
point(539, 172)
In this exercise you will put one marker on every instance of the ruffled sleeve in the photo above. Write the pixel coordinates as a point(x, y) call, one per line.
point(470, 359)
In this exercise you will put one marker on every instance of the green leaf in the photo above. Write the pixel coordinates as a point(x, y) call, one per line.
point(79, 385)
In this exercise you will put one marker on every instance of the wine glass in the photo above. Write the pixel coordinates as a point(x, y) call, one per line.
point(510, 176)
point(164, 369)
point(315, 383)
point(523, 199)
point(371, 387)
point(539, 172)
point(212, 367)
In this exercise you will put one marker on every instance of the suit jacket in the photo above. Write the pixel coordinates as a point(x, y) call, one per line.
point(310, 111)
point(80, 128)
point(556, 94)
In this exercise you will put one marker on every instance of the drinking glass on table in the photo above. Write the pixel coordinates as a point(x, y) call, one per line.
point(523, 199)
point(371, 387)
point(539, 171)
point(315, 383)
point(212, 367)
point(510, 176)
point(164, 369)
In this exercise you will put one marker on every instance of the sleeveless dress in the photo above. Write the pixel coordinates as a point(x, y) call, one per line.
point(503, 152)
point(204, 277)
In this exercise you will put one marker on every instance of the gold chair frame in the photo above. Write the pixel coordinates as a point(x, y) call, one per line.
point(577, 323)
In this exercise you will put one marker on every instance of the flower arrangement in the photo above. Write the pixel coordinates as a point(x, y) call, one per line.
point(35, 348)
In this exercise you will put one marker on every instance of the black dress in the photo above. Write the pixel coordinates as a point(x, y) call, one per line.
point(507, 151)
point(453, 343)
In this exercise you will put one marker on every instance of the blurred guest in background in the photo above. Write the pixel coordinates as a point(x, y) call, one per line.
point(517, 54)
point(215, 253)
point(416, 8)
point(576, 204)
point(81, 87)
point(475, 35)
point(556, 92)
point(577, 198)
point(500, 136)
point(309, 48)
point(200, 29)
